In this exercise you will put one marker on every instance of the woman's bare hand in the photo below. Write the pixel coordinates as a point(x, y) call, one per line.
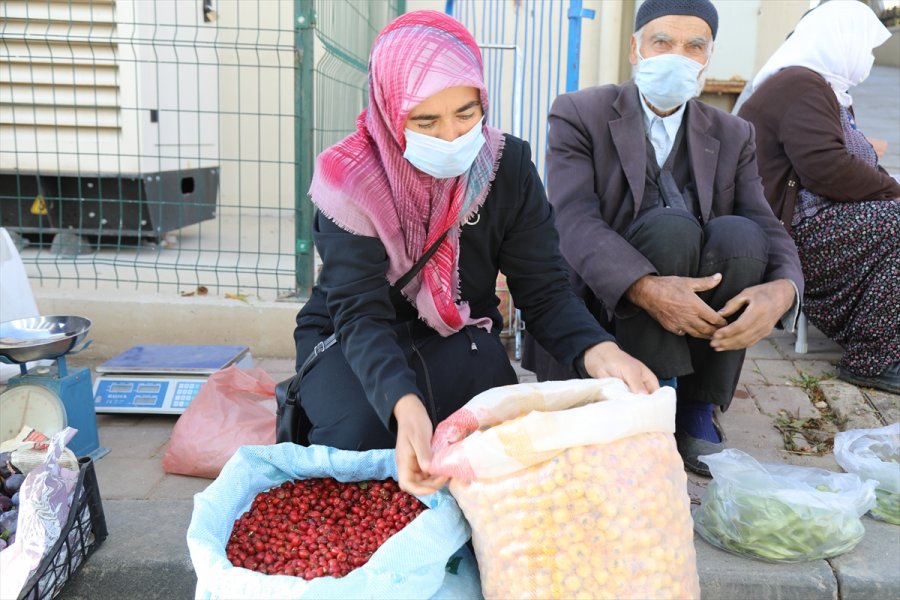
point(413, 452)
point(608, 360)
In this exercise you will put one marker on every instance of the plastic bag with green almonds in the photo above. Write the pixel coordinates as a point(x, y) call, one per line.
point(874, 454)
point(781, 513)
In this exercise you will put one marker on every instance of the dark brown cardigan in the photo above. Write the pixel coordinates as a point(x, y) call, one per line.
point(798, 128)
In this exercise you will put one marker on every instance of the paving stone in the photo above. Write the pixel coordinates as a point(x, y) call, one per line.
point(778, 372)
point(849, 405)
point(742, 403)
point(179, 487)
point(818, 348)
point(725, 575)
point(524, 375)
point(750, 373)
point(764, 349)
point(752, 433)
point(696, 486)
point(772, 398)
point(862, 572)
point(134, 441)
point(821, 369)
point(127, 478)
point(887, 405)
point(786, 346)
point(145, 555)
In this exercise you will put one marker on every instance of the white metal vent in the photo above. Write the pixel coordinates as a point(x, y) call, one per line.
point(58, 67)
point(107, 86)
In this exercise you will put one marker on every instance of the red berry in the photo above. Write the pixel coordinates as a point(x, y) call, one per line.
point(317, 527)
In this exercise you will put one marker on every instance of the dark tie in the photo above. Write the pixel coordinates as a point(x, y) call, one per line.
point(668, 189)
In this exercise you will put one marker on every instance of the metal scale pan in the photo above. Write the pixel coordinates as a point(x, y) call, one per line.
point(41, 338)
point(49, 398)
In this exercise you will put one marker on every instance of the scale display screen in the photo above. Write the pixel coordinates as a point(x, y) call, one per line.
point(118, 394)
point(161, 379)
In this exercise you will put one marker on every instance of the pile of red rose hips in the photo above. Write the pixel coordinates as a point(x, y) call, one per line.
point(316, 527)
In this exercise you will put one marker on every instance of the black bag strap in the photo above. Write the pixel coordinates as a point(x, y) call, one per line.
point(401, 283)
point(331, 340)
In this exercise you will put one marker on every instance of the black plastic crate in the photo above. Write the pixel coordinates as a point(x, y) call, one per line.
point(85, 530)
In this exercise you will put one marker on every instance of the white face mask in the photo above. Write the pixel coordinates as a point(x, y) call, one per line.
point(668, 80)
point(442, 159)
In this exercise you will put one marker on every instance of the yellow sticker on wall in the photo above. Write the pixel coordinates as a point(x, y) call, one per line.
point(39, 206)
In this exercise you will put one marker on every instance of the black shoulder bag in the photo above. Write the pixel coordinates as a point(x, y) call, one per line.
point(291, 422)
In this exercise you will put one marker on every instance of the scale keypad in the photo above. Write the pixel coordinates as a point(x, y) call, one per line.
point(185, 392)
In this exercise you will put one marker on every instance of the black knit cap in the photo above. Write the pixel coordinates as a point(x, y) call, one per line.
point(653, 9)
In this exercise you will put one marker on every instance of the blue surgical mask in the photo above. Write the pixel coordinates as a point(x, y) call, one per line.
point(442, 159)
point(668, 80)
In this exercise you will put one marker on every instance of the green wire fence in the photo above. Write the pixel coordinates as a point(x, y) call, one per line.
point(167, 145)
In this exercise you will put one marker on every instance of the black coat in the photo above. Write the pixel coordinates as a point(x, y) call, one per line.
point(514, 233)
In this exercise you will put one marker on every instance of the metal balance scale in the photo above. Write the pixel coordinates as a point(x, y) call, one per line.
point(161, 379)
point(48, 398)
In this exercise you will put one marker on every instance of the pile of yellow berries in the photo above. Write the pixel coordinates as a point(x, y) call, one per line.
point(601, 521)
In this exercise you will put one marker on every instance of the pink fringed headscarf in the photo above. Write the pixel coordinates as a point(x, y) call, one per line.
point(364, 184)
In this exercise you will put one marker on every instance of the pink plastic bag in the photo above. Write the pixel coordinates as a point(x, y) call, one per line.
point(234, 408)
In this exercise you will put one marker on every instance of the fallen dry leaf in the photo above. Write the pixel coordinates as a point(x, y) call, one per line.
point(200, 291)
point(241, 297)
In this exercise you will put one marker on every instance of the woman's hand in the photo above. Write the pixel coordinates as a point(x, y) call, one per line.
point(608, 360)
point(413, 453)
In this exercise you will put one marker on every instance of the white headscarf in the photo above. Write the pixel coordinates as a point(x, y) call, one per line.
point(835, 40)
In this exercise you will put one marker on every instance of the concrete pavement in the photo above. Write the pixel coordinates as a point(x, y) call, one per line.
point(148, 511)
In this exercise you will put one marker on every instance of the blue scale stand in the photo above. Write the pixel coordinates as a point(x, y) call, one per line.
point(73, 388)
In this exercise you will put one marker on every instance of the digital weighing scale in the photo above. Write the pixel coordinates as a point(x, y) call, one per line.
point(48, 398)
point(161, 379)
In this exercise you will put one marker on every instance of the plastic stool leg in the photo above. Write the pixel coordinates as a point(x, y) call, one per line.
point(800, 346)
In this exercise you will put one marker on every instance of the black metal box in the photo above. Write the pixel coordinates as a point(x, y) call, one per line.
point(145, 206)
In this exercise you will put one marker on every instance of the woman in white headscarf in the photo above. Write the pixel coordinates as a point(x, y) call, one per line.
point(822, 178)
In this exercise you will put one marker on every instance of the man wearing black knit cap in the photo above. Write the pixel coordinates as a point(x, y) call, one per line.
point(663, 221)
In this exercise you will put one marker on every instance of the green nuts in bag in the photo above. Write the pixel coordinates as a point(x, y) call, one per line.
point(874, 454)
point(781, 513)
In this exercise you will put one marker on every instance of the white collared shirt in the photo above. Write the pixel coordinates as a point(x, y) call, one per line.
point(661, 130)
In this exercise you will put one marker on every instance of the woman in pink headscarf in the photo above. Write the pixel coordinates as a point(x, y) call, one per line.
point(424, 172)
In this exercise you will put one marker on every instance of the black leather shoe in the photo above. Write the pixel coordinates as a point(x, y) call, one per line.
point(690, 448)
point(888, 380)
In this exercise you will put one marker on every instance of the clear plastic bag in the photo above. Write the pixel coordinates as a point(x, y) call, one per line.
point(43, 510)
point(781, 513)
point(874, 454)
point(573, 489)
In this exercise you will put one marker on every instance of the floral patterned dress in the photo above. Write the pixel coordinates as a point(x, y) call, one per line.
point(850, 253)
